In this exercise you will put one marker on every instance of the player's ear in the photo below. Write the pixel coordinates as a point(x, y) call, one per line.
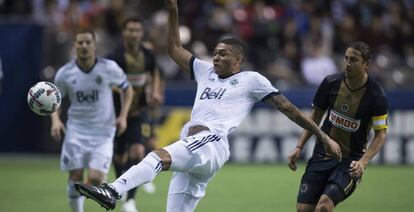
point(366, 64)
point(239, 60)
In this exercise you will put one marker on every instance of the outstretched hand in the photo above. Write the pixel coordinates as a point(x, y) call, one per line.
point(293, 157)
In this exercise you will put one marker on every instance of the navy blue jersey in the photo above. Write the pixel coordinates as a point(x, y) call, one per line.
point(351, 113)
point(136, 68)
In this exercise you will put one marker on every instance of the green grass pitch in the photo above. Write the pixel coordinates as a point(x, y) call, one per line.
point(36, 184)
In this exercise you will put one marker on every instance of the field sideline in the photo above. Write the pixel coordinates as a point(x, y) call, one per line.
point(35, 184)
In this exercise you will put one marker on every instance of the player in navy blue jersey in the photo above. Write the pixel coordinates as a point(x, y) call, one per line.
point(143, 75)
point(354, 103)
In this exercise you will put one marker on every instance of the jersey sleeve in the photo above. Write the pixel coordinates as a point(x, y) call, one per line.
point(150, 61)
point(118, 77)
point(261, 87)
point(60, 83)
point(198, 68)
point(321, 100)
point(379, 113)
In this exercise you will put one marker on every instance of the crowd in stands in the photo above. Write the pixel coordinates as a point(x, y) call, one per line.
point(294, 43)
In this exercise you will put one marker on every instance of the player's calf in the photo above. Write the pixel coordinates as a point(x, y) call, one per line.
point(75, 198)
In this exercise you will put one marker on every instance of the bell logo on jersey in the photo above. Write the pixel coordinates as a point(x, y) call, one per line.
point(87, 97)
point(209, 94)
point(344, 122)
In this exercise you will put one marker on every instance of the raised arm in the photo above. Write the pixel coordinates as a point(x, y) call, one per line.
point(293, 113)
point(174, 47)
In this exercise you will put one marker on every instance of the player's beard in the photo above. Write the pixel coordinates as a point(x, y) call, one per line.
point(83, 56)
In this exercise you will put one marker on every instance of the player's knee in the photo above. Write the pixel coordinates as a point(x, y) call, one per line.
point(76, 175)
point(300, 207)
point(151, 144)
point(137, 152)
point(164, 156)
point(71, 191)
point(323, 207)
point(95, 177)
point(325, 204)
point(120, 159)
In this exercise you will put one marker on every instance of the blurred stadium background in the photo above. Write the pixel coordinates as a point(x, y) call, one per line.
point(295, 43)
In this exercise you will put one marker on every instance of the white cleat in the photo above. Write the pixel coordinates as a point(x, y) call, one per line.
point(129, 206)
point(149, 187)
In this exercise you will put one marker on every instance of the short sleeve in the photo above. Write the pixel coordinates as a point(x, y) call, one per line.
point(261, 87)
point(199, 68)
point(118, 77)
point(321, 100)
point(150, 61)
point(59, 82)
point(379, 113)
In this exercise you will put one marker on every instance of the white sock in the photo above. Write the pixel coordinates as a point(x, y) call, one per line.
point(75, 199)
point(76, 204)
point(145, 171)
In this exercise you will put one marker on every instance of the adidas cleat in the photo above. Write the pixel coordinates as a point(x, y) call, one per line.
point(103, 195)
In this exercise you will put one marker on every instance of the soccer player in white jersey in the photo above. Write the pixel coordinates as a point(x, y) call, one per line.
point(87, 81)
point(225, 96)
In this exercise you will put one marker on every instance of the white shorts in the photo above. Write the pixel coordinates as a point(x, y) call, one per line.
point(86, 152)
point(195, 160)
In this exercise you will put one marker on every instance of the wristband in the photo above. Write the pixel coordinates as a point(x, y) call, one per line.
point(299, 147)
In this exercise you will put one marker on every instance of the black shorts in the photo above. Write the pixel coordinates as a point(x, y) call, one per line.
point(321, 172)
point(139, 130)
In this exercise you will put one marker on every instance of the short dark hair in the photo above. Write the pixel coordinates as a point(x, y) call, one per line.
point(131, 19)
point(237, 45)
point(366, 51)
point(86, 30)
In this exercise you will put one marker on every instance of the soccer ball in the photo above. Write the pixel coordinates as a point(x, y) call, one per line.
point(44, 98)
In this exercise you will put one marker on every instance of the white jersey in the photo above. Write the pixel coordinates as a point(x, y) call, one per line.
point(222, 104)
point(91, 110)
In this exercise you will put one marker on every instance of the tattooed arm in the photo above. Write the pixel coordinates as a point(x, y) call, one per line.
point(316, 116)
point(293, 113)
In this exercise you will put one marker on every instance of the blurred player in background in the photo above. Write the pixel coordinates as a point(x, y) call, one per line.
point(140, 67)
point(91, 124)
point(355, 103)
point(225, 96)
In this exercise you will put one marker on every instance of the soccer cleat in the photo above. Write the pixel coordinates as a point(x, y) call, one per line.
point(103, 195)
